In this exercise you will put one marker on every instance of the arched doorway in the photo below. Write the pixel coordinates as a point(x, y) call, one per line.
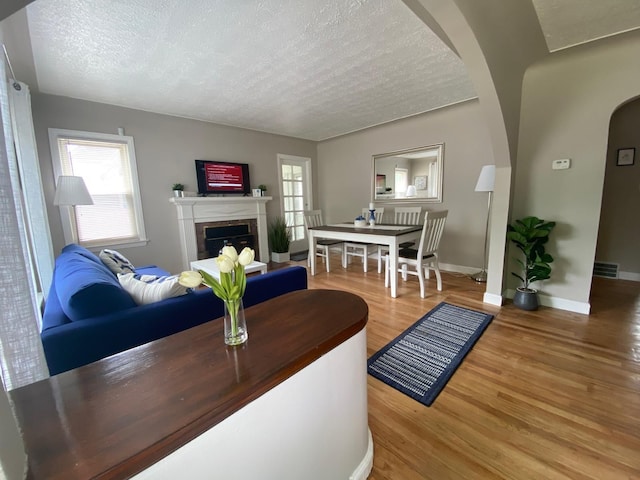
point(617, 259)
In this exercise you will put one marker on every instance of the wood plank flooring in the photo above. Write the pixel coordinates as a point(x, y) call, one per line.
point(542, 395)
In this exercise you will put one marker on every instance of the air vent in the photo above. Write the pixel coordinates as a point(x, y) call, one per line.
point(604, 269)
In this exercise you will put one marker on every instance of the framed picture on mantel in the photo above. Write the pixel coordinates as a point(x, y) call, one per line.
point(625, 157)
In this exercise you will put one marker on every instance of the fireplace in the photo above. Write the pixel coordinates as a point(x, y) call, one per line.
point(212, 236)
point(240, 214)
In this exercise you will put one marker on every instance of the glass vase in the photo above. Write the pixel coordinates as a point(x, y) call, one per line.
point(235, 325)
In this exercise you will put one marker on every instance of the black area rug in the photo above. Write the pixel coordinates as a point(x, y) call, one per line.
point(298, 256)
point(420, 361)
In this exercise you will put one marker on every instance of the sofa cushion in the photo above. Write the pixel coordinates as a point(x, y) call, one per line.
point(116, 262)
point(152, 270)
point(80, 250)
point(87, 288)
point(146, 289)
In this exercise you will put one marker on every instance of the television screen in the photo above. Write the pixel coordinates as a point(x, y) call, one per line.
point(222, 177)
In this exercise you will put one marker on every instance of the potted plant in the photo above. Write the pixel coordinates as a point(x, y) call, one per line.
point(263, 188)
point(530, 234)
point(178, 190)
point(279, 238)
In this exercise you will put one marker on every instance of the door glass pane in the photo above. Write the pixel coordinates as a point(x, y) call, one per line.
point(288, 216)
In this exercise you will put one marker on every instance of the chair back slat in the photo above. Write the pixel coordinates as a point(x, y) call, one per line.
point(432, 232)
point(407, 215)
point(313, 218)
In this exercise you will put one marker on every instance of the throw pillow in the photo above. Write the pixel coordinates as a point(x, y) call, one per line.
point(87, 288)
point(146, 289)
point(116, 262)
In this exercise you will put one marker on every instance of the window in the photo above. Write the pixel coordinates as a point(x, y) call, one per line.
point(401, 180)
point(107, 163)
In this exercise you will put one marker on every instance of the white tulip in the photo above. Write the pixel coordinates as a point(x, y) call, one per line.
point(190, 279)
point(246, 256)
point(230, 251)
point(225, 263)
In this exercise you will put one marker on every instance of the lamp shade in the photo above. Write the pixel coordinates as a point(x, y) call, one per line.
point(487, 179)
point(71, 191)
point(411, 191)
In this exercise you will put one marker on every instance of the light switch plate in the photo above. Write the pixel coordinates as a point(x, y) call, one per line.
point(561, 164)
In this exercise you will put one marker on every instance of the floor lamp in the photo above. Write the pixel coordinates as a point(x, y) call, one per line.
point(486, 182)
point(71, 191)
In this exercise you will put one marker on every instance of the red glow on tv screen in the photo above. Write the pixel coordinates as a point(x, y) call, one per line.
point(222, 177)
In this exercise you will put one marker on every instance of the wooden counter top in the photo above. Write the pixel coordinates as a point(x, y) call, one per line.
point(117, 416)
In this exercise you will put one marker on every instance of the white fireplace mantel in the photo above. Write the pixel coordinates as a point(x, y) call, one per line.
point(192, 210)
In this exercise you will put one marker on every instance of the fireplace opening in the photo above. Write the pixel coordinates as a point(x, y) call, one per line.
point(238, 236)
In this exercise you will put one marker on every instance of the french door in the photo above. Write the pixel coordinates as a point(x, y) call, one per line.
point(294, 176)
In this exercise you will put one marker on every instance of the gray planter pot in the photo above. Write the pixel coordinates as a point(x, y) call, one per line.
point(178, 193)
point(280, 257)
point(526, 298)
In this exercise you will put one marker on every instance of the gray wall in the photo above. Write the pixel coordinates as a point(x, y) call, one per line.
point(345, 169)
point(619, 232)
point(166, 148)
point(567, 105)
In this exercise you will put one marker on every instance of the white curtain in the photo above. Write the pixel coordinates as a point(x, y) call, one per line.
point(21, 353)
point(36, 219)
point(13, 459)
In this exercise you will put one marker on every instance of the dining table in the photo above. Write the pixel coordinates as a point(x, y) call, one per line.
point(390, 235)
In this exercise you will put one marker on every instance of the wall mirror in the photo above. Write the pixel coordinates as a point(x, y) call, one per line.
point(409, 175)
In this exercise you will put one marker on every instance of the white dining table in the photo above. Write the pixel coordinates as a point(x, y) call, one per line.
point(380, 234)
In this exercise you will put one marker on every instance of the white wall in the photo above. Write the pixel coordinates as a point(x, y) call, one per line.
point(345, 169)
point(312, 426)
point(166, 148)
point(566, 108)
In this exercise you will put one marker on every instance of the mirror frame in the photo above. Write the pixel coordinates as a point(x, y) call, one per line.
point(414, 199)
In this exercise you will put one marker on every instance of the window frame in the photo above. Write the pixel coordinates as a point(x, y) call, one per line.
point(67, 218)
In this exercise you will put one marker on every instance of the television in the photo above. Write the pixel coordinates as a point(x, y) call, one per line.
point(222, 177)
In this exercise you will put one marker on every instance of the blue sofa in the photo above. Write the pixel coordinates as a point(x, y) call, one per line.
point(89, 316)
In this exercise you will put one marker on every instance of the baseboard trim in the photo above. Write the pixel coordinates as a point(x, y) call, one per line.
point(493, 299)
point(449, 267)
point(363, 470)
point(546, 300)
point(633, 276)
point(559, 303)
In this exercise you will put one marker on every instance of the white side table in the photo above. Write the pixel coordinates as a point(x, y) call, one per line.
point(210, 266)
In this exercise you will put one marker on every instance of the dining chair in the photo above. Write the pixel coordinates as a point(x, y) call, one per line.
point(401, 216)
point(407, 215)
point(313, 218)
point(359, 249)
point(425, 257)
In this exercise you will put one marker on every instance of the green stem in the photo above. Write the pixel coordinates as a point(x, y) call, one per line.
point(233, 306)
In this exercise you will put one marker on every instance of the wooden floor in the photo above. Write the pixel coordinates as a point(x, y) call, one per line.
point(542, 395)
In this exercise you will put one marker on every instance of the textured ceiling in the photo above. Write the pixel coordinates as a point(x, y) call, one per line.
point(567, 23)
point(308, 69)
point(311, 69)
